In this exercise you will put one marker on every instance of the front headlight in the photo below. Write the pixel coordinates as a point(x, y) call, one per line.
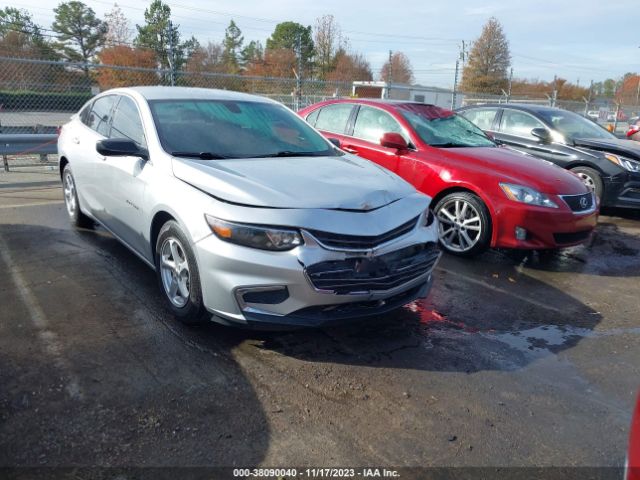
point(522, 194)
point(623, 162)
point(254, 236)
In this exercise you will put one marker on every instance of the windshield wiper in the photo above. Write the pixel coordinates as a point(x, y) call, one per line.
point(200, 155)
point(289, 153)
point(482, 135)
point(448, 145)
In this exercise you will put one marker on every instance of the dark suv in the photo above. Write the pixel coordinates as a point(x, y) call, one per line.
point(607, 164)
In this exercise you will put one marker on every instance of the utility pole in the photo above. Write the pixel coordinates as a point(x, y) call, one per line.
point(389, 74)
point(554, 95)
point(455, 86)
point(170, 57)
point(299, 76)
point(587, 101)
point(462, 59)
point(510, 82)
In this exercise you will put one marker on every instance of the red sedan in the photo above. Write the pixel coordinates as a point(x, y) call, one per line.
point(483, 195)
point(633, 455)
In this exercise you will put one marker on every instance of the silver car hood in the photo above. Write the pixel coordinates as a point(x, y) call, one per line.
point(345, 182)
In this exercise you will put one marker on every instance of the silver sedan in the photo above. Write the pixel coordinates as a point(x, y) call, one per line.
point(246, 213)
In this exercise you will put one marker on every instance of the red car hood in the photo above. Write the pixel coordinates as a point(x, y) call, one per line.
point(510, 166)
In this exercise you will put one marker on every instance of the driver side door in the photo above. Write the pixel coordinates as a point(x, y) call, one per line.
point(515, 130)
point(126, 178)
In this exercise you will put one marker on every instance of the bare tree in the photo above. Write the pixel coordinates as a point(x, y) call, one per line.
point(209, 59)
point(328, 41)
point(119, 31)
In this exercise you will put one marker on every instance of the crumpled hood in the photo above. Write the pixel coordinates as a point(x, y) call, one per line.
point(625, 147)
point(345, 182)
point(509, 165)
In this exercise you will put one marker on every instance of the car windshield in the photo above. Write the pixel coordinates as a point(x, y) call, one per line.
point(572, 125)
point(219, 129)
point(439, 127)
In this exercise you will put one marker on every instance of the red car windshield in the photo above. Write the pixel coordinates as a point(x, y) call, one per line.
point(442, 128)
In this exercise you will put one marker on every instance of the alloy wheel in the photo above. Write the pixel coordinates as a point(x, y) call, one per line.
point(70, 194)
point(460, 225)
point(175, 274)
point(587, 180)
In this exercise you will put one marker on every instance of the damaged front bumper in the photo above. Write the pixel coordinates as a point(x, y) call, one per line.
point(315, 284)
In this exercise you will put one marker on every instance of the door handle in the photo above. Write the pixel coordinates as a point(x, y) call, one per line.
point(75, 140)
point(350, 149)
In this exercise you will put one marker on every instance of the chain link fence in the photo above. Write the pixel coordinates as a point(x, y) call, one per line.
point(37, 96)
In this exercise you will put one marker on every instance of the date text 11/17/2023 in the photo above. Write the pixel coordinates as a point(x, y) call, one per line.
point(366, 472)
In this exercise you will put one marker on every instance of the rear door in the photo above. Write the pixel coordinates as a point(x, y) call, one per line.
point(85, 160)
point(364, 139)
point(332, 120)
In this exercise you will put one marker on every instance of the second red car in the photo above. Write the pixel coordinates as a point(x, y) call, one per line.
point(483, 195)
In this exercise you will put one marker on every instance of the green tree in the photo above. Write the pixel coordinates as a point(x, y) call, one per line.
point(609, 88)
point(286, 36)
point(19, 34)
point(163, 37)
point(489, 61)
point(252, 54)
point(80, 32)
point(18, 21)
point(232, 44)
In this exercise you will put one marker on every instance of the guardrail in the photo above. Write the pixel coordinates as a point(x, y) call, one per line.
point(24, 144)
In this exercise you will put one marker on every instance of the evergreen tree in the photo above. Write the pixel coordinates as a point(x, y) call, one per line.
point(163, 37)
point(285, 37)
point(80, 32)
point(232, 44)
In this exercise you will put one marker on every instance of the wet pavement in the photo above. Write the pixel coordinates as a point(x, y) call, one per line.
point(514, 359)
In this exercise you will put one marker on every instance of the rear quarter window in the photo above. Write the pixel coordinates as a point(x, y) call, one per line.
point(312, 117)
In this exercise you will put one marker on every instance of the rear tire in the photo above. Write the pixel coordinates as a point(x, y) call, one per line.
point(78, 219)
point(464, 227)
point(178, 275)
point(591, 179)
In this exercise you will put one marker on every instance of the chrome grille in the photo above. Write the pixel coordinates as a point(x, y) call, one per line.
point(580, 203)
point(362, 275)
point(361, 242)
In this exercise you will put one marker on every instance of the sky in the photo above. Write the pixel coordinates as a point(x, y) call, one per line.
point(579, 40)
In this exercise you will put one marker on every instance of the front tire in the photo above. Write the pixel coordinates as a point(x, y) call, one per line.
point(178, 275)
point(464, 224)
point(591, 179)
point(77, 218)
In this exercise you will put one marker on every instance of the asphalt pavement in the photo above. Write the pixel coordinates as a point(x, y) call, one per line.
point(513, 360)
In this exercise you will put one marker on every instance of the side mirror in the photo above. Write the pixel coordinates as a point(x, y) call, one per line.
point(335, 141)
point(541, 134)
point(394, 140)
point(120, 147)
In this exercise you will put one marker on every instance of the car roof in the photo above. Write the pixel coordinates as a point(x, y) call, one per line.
point(527, 107)
point(175, 93)
point(384, 103)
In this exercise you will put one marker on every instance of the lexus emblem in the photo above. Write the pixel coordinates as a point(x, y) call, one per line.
point(584, 202)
